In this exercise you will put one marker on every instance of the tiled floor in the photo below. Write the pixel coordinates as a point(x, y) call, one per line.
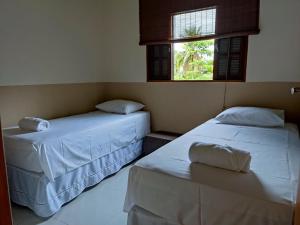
point(101, 205)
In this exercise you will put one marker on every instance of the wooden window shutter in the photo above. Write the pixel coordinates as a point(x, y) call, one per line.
point(159, 62)
point(230, 58)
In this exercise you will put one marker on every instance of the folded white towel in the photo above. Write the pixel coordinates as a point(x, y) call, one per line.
point(33, 124)
point(220, 156)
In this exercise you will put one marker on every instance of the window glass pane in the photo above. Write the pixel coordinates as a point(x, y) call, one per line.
point(193, 60)
point(193, 24)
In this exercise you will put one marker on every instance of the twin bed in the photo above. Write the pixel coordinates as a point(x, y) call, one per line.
point(165, 188)
point(48, 169)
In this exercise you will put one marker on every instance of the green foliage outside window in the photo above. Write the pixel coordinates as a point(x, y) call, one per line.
point(194, 60)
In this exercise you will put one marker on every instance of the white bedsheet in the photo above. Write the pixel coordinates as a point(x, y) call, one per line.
point(73, 141)
point(167, 185)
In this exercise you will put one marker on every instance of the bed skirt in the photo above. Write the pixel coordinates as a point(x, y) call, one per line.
point(45, 198)
point(139, 216)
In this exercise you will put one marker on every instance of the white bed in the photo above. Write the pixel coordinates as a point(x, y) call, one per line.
point(47, 169)
point(165, 188)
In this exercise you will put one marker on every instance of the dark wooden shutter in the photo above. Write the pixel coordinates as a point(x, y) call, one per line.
point(159, 62)
point(233, 18)
point(230, 58)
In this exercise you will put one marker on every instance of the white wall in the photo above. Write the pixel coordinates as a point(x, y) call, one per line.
point(50, 41)
point(74, 41)
point(274, 54)
point(125, 60)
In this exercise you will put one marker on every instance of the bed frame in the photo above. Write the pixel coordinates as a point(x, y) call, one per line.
point(5, 212)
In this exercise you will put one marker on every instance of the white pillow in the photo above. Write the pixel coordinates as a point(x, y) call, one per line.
point(120, 106)
point(252, 116)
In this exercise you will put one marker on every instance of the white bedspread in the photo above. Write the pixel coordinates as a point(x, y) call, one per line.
point(167, 185)
point(73, 141)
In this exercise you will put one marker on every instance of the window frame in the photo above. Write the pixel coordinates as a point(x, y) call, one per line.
point(244, 56)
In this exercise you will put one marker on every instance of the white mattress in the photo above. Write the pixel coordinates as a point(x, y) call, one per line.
point(73, 141)
point(166, 184)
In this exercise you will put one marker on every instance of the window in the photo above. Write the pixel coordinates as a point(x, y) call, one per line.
point(220, 59)
point(197, 40)
point(211, 59)
point(193, 60)
point(194, 24)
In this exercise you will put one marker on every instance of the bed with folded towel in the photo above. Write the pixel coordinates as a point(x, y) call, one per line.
point(221, 156)
point(52, 162)
point(216, 174)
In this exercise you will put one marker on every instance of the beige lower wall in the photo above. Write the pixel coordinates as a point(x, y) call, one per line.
point(178, 107)
point(272, 95)
point(47, 101)
point(175, 107)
